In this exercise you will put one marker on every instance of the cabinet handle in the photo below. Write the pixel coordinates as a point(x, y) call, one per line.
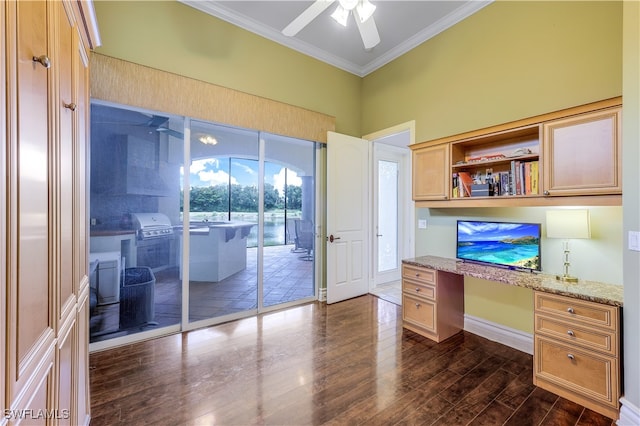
point(546, 193)
point(43, 60)
point(70, 106)
point(417, 274)
point(571, 311)
point(571, 357)
point(417, 305)
point(417, 289)
point(571, 333)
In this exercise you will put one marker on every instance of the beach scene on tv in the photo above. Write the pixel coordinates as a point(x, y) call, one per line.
point(507, 244)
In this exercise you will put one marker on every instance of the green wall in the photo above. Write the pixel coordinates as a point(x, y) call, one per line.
point(510, 60)
point(170, 36)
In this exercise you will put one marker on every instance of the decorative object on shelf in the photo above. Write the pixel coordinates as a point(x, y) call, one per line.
point(568, 224)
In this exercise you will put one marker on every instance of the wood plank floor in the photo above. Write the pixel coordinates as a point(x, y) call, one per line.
point(346, 363)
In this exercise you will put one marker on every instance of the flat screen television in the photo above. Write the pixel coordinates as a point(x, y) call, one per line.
point(507, 244)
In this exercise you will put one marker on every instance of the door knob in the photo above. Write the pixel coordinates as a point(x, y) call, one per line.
point(331, 238)
point(42, 60)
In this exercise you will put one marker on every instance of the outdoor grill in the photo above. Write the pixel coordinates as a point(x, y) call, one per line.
point(154, 234)
point(152, 225)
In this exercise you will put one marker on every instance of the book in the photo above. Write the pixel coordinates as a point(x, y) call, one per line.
point(465, 180)
point(504, 183)
point(527, 178)
point(534, 177)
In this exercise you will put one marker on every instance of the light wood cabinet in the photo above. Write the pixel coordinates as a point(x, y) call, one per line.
point(431, 173)
point(432, 302)
point(582, 154)
point(577, 351)
point(568, 157)
point(45, 346)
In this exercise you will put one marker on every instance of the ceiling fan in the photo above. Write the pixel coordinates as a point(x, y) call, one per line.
point(362, 12)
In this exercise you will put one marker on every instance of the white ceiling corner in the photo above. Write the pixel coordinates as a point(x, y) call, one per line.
point(402, 25)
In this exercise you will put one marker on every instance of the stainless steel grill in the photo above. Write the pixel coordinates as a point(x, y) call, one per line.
point(154, 238)
point(152, 225)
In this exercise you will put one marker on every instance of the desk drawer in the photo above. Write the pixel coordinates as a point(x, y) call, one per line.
point(571, 333)
point(419, 289)
point(580, 371)
point(591, 313)
point(419, 313)
point(416, 273)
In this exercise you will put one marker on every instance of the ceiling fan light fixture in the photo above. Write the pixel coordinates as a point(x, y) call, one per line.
point(341, 15)
point(208, 140)
point(365, 10)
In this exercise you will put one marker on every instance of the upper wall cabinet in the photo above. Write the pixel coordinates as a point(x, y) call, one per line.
point(583, 154)
point(568, 157)
point(430, 171)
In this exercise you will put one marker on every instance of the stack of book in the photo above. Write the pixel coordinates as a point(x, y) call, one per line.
point(520, 179)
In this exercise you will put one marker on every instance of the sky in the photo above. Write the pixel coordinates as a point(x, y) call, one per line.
point(494, 231)
point(215, 171)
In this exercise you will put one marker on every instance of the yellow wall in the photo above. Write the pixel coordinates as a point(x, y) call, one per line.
point(170, 36)
point(511, 60)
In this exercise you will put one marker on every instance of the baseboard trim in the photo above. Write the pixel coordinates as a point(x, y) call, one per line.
point(499, 333)
point(322, 294)
point(629, 414)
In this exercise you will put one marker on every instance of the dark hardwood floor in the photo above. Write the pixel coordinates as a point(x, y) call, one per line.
point(346, 363)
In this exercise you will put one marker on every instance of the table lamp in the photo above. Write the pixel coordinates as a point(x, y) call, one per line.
point(568, 224)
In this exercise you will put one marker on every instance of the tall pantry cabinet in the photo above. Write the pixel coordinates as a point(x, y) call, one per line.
point(43, 261)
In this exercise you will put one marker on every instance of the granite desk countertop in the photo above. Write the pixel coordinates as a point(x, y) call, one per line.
point(593, 291)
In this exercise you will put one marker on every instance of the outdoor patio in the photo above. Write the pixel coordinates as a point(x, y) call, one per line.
point(287, 276)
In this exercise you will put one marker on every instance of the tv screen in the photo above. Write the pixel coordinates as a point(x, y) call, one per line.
point(506, 244)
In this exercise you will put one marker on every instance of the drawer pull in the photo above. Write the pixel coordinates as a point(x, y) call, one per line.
point(571, 357)
point(570, 310)
point(571, 333)
point(417, 274)
point(417, 305)
point(417, 289)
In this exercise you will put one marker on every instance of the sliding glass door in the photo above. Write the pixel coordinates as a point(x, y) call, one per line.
point(194, 223)
point(223, 223)
point(289, 220)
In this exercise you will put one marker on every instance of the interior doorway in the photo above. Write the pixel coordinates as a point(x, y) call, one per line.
point(392, 209)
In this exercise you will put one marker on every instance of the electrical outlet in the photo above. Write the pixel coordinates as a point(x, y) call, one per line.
point(93, 221)
point(634, 240)
point(422, 224)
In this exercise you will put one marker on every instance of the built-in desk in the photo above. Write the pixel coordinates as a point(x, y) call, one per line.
point(609, 294)
point(577, 345)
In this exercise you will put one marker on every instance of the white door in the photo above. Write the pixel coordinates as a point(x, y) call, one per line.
point(388, 214)
point(347, 217)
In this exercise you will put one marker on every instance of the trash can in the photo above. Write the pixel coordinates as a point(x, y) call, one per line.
point(137, 294)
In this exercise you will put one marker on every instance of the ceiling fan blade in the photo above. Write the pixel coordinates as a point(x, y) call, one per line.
point(368, 31)
point(316, 8)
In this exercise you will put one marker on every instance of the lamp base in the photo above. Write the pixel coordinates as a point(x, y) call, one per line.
point(567, 278)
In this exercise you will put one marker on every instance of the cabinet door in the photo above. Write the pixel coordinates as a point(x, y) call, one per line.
point(431, 173)
point(582, 154)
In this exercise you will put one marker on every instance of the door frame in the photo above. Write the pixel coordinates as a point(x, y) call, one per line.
point(407, 232)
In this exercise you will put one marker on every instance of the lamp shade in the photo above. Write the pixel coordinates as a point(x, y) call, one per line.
point(568, 224)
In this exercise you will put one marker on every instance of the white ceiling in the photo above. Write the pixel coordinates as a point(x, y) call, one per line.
point(402, 25)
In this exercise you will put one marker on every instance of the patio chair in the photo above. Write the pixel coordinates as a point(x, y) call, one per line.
point(304, 237)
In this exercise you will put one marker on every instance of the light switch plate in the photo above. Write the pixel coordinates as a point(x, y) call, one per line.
point(634, 240)
point(422, 224)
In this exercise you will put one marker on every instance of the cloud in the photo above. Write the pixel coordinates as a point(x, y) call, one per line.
point(248, 170)
point(207, 171)
point(279, 179)
point(215, 177)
